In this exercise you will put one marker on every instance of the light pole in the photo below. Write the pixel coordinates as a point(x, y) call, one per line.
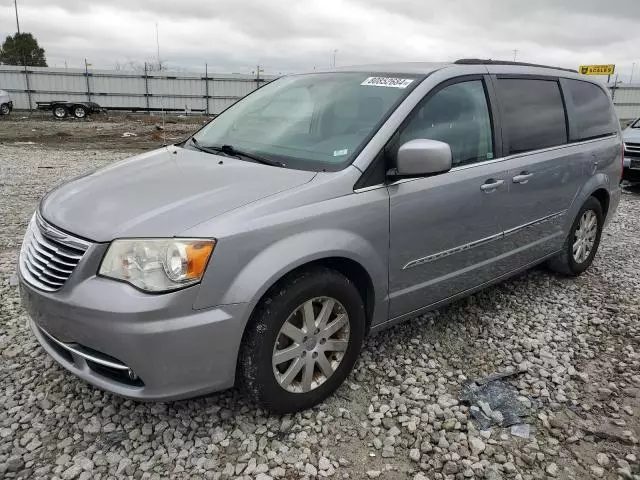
point(633, 66)
point(15, 4)
point(334, 57)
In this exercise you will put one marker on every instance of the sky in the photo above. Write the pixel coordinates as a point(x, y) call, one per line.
point(233, 36)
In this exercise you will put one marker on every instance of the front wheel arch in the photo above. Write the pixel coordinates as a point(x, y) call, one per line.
point(253, 359)
point(347, 267)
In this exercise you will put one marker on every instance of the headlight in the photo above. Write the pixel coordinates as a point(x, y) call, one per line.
point(157, 265)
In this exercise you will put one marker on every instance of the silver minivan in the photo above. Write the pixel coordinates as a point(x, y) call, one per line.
point(317, 210)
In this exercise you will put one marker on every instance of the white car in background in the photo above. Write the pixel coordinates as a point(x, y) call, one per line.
point(631, 162)
point(6, 105)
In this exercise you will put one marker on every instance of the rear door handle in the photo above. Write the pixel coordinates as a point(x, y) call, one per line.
point(524, 177)
point(491, 185)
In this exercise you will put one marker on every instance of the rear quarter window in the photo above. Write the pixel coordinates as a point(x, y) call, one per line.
point(592, 115)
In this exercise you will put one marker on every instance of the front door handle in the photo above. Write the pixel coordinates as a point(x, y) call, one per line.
point(524, 177)
point(491, 185)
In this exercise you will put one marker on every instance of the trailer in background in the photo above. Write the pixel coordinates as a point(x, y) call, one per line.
point(62, 109)
point(6, 105)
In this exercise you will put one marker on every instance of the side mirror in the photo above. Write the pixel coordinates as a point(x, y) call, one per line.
point(423, 157)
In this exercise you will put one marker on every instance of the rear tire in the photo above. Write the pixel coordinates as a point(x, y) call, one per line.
point(4, 109)
point(59, 111)
point(582, 243)
point(266, 372)
point(79, 111)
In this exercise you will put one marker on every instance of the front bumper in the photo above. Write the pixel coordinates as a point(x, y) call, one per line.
point(141, 346)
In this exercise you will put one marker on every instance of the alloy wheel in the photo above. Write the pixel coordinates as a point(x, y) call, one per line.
point(311, 344)
point(585, 236)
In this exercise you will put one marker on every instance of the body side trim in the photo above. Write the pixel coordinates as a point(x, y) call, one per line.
point(482, 241)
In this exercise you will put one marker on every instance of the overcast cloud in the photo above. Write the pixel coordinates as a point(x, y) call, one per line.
point(295, 35)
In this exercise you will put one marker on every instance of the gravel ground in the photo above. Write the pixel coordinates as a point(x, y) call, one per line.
point(574, 342)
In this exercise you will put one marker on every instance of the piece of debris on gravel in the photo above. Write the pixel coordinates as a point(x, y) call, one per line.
point(576, 343)
point(494, 402)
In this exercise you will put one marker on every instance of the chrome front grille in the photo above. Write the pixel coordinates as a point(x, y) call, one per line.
point(49, 256)
point(632, 149)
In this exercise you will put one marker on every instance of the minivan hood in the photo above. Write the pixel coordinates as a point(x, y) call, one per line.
point(631, 135)
point(162, 193)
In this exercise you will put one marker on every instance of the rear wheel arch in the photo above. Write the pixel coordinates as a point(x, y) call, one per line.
point(602, 195)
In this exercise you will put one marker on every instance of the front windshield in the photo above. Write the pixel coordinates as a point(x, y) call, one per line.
point(312, 122)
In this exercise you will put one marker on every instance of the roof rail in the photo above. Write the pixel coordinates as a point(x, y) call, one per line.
point(479, 61)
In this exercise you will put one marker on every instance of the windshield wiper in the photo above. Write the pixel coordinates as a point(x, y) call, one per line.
point(234, 152)
point(231, 150)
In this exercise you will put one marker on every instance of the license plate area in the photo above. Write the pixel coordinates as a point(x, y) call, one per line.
point(635, 164)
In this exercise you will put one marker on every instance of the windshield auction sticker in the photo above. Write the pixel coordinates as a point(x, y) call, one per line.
point(387, 82)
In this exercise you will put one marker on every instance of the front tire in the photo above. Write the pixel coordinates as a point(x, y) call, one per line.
point(302, 341)
point(59, 111)
point(4, 109)
point(583, 240)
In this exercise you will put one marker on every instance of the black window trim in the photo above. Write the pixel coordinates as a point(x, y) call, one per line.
point(367, 179)
point(523, 76)
point(572, 114)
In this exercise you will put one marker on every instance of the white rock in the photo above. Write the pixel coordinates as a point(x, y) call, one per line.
point(310, 469)
point(602, 459)
point(324, 463)
point(414, 454)
point(552, 469)
point(477, 446)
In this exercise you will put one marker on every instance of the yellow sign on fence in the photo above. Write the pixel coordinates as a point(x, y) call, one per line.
point(597, 69)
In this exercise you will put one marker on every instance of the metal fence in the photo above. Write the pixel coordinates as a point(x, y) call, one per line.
point(626, 98)
point(208, 93)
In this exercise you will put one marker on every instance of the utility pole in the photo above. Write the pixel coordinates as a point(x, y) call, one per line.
point(334, 57)
point(258, 70)
point(24, 60)
point(515, 54)
point(633, 66)
point(613, 89)
point(86, 76)
point(15, 4)
point(158, 48)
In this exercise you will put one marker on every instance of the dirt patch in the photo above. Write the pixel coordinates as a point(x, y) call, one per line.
point(124, 132)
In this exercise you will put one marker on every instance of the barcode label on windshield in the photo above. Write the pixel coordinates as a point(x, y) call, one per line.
point(387, 82)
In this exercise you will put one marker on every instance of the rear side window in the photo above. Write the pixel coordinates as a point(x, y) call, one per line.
point(592, 116)
point(533, 114)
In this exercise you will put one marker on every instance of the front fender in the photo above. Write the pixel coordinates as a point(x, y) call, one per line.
point(294, 251)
